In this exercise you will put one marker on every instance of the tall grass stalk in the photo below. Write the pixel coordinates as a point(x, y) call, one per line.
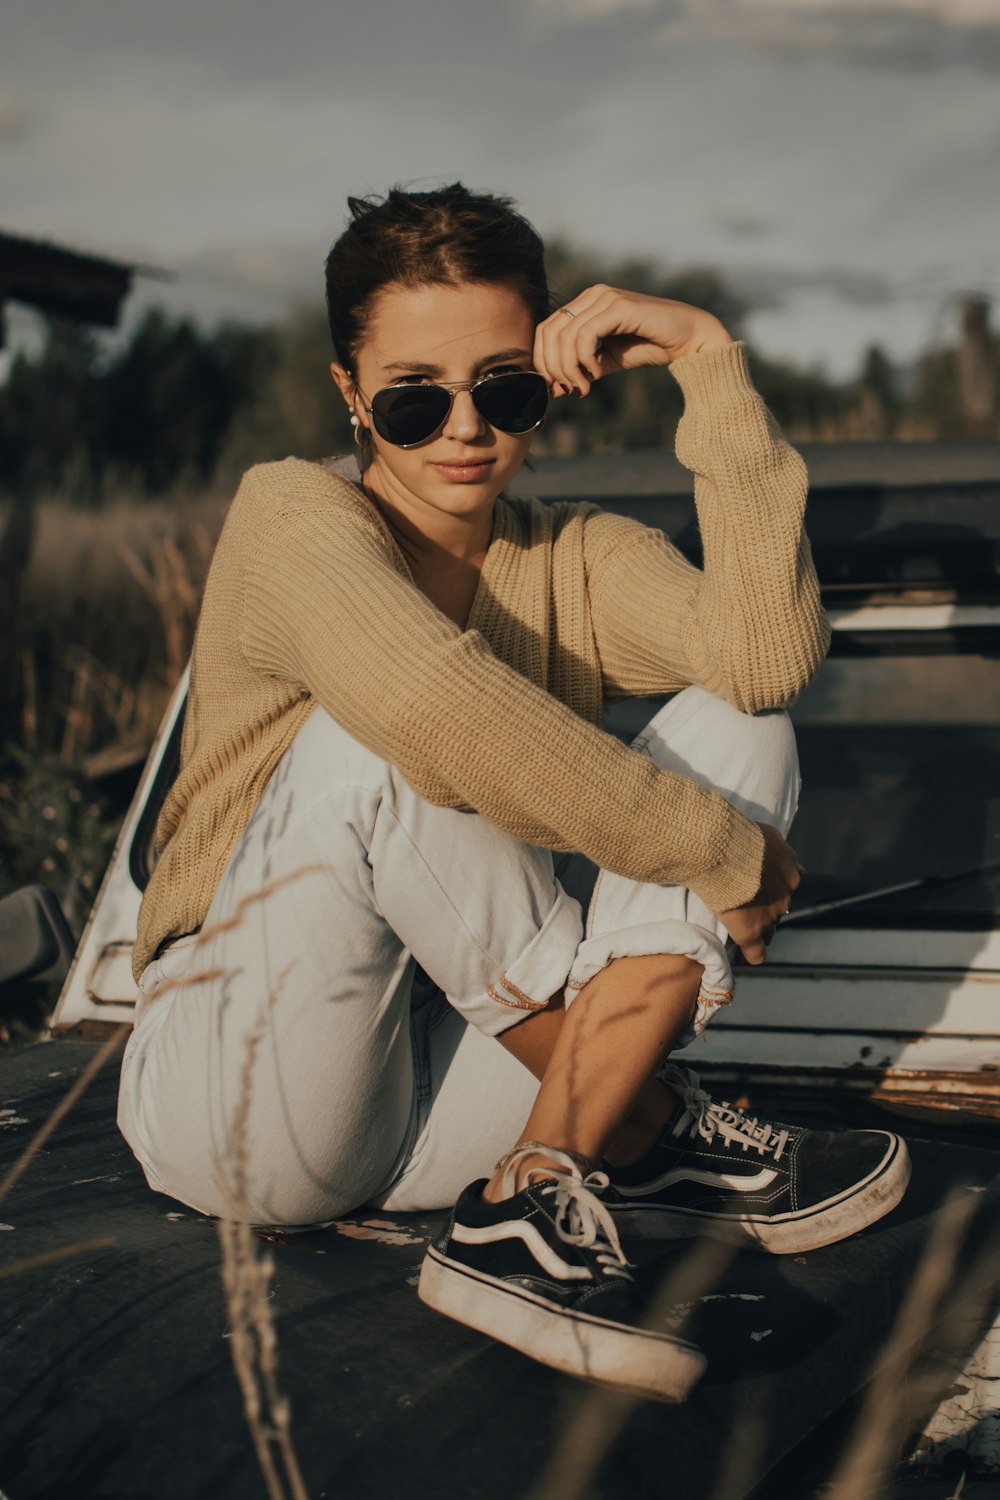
point(887, 1413)
point(51, 1257)
point(79, 1087)
point(599, 1415)
point(174, 589)
point(246, 1269)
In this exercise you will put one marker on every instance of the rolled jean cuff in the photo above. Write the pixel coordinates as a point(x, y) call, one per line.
point(686, 938)
point(538, 972)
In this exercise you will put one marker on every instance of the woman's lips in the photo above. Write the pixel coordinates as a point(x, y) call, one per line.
point(468, 473)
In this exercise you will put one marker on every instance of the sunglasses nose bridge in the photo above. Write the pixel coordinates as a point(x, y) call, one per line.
point(457, 410)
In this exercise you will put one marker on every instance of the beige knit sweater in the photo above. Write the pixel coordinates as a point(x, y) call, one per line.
point(310, 600)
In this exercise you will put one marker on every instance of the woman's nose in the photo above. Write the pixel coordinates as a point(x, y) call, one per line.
point(464, 420)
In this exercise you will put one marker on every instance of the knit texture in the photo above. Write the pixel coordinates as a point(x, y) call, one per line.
point(309, 600)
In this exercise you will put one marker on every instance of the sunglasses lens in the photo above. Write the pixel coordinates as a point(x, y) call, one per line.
point(514, 403)
point(405, 414)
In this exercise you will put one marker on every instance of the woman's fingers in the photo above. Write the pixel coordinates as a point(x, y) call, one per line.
point(577, 348)
point(751, 928)
point(565, 350)
point(754, 953)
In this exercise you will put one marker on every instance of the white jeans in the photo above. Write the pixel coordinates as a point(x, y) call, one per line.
point(365, 1087)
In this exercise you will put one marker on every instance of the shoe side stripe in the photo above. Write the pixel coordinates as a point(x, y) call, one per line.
point(519, 1229)
point(755, 1184)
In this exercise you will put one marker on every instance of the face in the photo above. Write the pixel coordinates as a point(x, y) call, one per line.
point(442, 334)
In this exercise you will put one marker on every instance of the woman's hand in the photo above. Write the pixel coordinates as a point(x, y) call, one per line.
point(752, 925)
point(612, 329)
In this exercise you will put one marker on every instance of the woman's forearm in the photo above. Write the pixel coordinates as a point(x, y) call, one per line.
point(756, 631)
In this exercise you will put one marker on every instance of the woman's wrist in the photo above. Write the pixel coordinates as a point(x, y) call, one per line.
point(710, 334)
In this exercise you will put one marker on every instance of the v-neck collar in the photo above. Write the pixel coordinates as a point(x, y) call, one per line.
point(491, 562)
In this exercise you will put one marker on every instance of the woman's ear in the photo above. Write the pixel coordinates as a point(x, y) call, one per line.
point(345, 383)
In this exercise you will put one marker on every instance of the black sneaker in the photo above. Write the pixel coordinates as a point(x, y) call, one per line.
point(544, 1272)
point(716, 1170)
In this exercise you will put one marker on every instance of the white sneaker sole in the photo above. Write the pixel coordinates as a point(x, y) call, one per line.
point(642, 1363)
point(783, 1234)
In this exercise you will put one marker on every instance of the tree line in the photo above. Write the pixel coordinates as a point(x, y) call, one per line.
point(177, 405)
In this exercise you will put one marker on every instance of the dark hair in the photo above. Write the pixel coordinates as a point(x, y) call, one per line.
point(442, 238)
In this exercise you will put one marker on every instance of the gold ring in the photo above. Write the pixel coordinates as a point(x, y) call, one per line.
point(567, 312)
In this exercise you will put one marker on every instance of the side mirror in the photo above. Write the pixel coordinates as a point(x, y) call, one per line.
point(35, 940)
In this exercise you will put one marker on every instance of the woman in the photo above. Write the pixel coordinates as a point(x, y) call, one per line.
point(394, 725)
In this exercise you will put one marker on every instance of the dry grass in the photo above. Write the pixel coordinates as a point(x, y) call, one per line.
point(52, 1257)
point(247, 1268)
point(883, 1425)
point(76, 553)
point(925, 1351)
point(107, 1049)
point(106, 618)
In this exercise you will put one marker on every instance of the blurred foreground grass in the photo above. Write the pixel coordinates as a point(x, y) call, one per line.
point(104, 627)
point(55, 830)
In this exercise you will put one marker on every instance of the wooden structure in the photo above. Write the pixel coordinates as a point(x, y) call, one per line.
point(63, 283)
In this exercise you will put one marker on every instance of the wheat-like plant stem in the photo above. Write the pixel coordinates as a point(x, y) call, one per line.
point(50, 1257)
point(246, 1277)
point(600, 1415)
point(226, 924)
point(862, 1470)
point(246, 1273)
point(62, 1109)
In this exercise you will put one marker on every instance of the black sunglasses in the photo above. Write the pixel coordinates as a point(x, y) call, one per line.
point(409, 414)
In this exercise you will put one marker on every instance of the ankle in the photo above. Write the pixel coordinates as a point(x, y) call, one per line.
point(512, 1172)
point(637, 1134)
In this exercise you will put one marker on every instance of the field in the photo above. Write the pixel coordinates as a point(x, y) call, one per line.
point(103, 629)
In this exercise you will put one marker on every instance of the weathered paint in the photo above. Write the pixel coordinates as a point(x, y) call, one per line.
point(99, 985)
point(964, 1094)
point(931, 616)
point(968, 1420)
point(385, 1231)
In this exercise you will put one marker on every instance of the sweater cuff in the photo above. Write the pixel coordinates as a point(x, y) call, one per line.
point(715, 377)
point(736, 878)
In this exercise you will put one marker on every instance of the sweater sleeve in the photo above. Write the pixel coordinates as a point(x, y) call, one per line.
point(326, 609)
point(750, 626)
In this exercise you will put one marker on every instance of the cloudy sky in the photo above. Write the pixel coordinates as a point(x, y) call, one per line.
point(838, 158)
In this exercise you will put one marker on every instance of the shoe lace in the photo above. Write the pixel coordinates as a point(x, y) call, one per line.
point(580, 1216)
point(702, 1115)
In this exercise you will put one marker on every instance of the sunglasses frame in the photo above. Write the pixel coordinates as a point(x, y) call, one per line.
point(451, 386)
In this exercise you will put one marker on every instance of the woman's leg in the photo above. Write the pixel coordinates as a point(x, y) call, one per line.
point(295, 996)
point(533, 1256)
point(683, 1163)
point(652, 967)
point(753, 761)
